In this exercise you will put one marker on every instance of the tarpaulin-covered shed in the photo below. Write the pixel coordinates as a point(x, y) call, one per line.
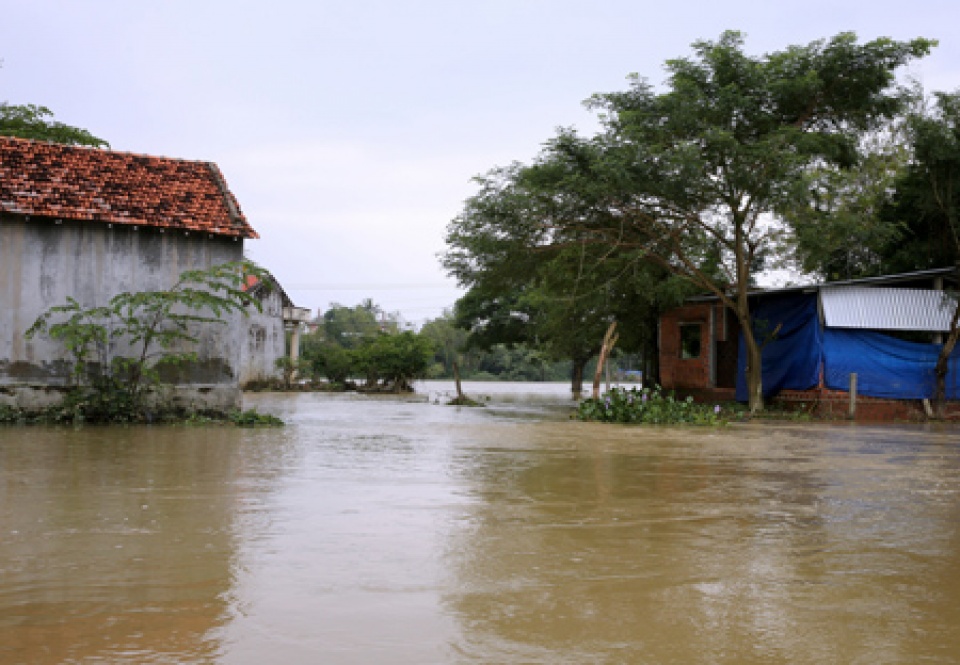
point(887, 330)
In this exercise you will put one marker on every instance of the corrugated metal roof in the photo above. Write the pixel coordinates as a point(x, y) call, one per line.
point(919, 277)
point(886, 309)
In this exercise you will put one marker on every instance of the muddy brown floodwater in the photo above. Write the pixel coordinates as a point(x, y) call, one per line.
point(391, 530)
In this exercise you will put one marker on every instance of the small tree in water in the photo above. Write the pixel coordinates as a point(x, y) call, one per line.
point(396, 360)
point(157, 329)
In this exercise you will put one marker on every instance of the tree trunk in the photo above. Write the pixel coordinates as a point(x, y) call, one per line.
point(754, 370)
point(743, 257)
point(456, 378)
point(576, 378)
point(609, 339)
point(943, 362)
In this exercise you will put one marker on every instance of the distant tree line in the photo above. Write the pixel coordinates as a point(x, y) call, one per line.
point(365, 347)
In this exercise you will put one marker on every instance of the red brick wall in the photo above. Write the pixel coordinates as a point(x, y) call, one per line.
point(677, 372)
point(836, 404)
point(831, 404)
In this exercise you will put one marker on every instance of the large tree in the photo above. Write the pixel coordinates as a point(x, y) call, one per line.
point(928, 203)
point(697, 174)
point(527, 285)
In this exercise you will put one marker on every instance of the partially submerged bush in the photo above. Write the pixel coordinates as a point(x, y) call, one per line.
point(80, 407)
point(253, 418)
point(647, 406)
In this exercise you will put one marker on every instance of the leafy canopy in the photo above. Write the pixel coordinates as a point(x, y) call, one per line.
point(29, 121)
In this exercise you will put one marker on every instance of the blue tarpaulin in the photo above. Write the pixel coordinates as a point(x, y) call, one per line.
point(885, 366)
point(791, 357)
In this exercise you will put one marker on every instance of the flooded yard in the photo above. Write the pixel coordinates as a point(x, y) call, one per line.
point(398, 530)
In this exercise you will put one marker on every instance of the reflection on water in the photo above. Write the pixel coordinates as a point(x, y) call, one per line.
point(398, 530)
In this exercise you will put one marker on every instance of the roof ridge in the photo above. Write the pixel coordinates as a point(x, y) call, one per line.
point(91, 148)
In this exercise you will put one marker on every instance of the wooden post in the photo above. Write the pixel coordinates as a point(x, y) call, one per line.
point(609, 339)
point(853, 396)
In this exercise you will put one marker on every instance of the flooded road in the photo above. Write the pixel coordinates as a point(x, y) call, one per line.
point(392, 530)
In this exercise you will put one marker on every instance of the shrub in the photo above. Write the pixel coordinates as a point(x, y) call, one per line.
point(647, 406)
point(253, 418)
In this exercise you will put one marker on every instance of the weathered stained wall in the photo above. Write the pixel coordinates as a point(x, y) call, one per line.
point(263, 340)
point(43, 262)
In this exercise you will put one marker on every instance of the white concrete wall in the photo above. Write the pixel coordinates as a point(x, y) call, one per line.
point(42, 263)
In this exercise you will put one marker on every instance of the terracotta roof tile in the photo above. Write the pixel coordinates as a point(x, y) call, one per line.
point(68, 182)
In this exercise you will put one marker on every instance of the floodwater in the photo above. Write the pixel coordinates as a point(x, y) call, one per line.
point(399, 530)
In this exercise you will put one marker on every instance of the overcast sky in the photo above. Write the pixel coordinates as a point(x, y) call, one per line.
point(350, 131)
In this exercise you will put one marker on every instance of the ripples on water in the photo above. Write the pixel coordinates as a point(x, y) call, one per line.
point(398, 530)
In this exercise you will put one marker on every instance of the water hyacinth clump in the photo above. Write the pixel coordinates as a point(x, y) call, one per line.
point(648, 406)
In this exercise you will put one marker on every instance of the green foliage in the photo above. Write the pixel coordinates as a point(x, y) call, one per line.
point(12, 416)
point(927, 200)
point(252, 418)
point(29, 121)
point(448, 340)
point(120, 350)
point(80, 407)
point(109, 401)
point(327, 360)
point(395, 360)
point(648, 407)
point(352, 327)
point(288, 369)
point(842, 229)
point(365, 341)
point(109, 405)
point(531, 288)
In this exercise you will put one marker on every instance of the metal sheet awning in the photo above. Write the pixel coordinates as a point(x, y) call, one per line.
point(886, 309)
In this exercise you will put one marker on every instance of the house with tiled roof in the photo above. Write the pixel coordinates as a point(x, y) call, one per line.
point(87, 223)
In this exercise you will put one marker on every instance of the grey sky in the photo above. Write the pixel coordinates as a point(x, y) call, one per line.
point(350, 130)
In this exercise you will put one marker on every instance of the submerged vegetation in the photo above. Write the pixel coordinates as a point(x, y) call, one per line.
point(253, 418)
point(73, 411)
point(648, 406)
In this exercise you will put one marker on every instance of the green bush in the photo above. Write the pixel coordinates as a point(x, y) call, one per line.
point(395, 360)
point(253, 418)
point(648, 406)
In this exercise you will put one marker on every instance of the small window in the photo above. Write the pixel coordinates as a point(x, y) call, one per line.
point(689, 340)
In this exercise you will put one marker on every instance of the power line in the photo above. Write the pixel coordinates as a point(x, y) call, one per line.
point(361, 287)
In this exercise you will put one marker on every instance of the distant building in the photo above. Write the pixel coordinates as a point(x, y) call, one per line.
point(87, 223)
point(264, 340)
point(886, 330)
